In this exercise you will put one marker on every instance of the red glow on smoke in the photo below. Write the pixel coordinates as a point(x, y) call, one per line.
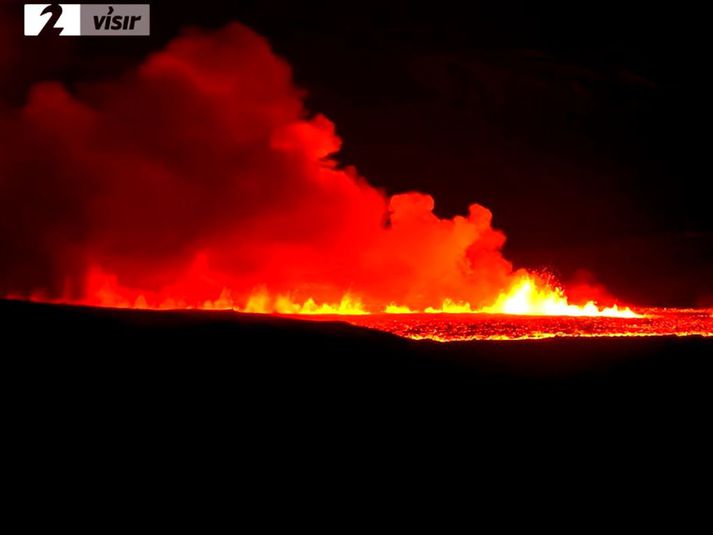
point(200, 180)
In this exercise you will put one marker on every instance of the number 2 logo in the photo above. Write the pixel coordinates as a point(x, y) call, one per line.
point(49, 28)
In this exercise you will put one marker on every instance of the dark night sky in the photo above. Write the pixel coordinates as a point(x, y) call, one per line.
point(582, 126)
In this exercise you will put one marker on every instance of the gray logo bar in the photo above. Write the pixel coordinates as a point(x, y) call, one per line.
point(116, 19)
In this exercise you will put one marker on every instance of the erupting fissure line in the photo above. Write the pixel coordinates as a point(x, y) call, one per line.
point(528, 296)
point(199, 180)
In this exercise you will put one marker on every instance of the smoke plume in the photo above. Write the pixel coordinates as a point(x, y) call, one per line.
point(201, 176)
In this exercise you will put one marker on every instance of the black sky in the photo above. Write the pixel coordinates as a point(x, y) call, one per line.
point(582, 126)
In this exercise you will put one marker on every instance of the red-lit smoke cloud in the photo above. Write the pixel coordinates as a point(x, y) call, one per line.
point(201, 170)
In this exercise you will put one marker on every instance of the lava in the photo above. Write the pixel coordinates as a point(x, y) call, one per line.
point(466, 327)
point(529, 295)
point(199, 180)
point(528, 299)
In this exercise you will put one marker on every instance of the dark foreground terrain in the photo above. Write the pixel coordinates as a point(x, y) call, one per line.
point(211, 385)
point(210, 360)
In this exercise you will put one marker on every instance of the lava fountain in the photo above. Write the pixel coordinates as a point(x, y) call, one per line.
point(199, 180)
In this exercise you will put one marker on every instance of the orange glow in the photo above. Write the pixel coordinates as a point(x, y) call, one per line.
point(261, 303)
point(526, 298)
point(532, 308)
point(393, 308)
point(200, 180)
point(528, 295)
point(449, 306)
point(502, 327)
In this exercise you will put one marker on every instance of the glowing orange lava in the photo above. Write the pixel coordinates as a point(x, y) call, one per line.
point(467, 327)
point(527, 299)
point(528, 295)
point(532, 308)
point(261, 303)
